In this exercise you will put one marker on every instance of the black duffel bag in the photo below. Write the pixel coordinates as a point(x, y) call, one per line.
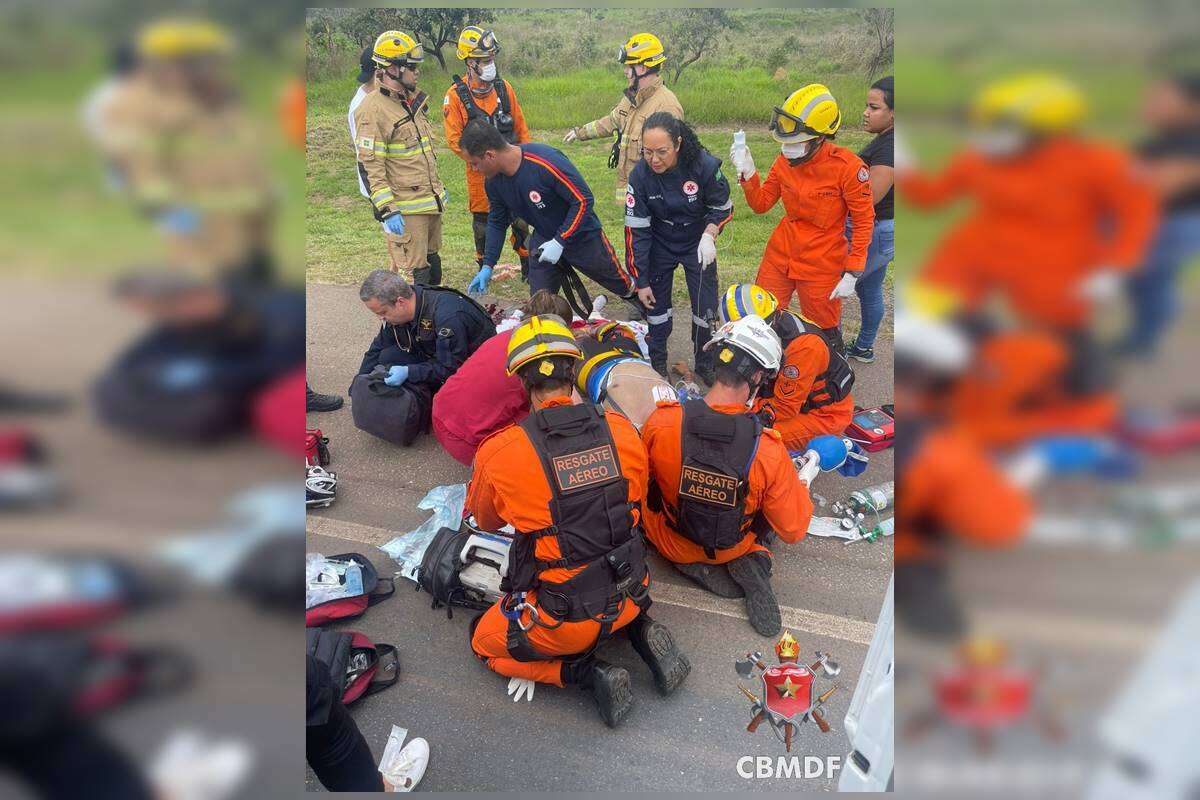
point(130, 400)
point(397, 414)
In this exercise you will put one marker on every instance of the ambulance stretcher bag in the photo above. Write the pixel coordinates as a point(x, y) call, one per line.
point(375, 589)
point(358, 666)
point(396, 414)
point(132, 401)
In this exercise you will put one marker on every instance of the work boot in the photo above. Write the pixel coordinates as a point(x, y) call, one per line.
point(321, 402)
point(608, 683)
point(713, 577)
point(654, 643)
point(753, 572)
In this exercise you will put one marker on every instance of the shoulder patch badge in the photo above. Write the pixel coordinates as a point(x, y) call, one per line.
point(791, 371)
point(630, 200)
point(445, 333)
point(863, 174)
point(690, 188)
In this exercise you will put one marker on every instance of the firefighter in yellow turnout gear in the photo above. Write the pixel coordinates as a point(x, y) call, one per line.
point(394, 146)
point(641, 57)
point(185, 152)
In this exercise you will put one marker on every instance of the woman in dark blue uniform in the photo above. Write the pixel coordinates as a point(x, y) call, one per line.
point(677, 204)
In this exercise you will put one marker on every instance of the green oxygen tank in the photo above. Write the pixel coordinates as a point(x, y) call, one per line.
point(872, 499)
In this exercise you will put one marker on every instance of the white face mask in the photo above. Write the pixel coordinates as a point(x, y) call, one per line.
point(796, 149)
point(488, 72)
point(1000, 142)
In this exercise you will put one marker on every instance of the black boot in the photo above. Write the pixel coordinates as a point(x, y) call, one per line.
point(608, 683)
point(713, 577)
point(321, 402)
point(753, 572)
point(654, 643)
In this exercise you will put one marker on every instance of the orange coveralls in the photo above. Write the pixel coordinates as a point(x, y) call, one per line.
point(454, 119)
point(805, 358)
point(774, 488)
point(1015, 391)
point(1042, 222)
point(950, 483)
point(807, 252)
point(510, 487)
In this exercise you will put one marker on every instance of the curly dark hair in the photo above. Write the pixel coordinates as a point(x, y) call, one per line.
point(679, 131)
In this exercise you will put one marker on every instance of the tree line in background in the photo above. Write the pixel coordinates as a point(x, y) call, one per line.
point(692, 35)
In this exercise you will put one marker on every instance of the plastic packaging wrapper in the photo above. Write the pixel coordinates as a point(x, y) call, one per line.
point(446, 503)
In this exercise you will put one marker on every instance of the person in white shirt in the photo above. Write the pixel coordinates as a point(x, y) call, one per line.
point(366, 80)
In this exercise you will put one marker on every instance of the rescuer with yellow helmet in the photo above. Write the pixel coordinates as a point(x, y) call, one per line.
point(822, 185)
point(569, 479)
point(642, 57)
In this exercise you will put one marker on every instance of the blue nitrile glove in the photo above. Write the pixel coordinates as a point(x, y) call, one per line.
point(180, 221)
point(394, 224)
point(832, 450)
point(550, 251)
point(479, 283)
point(396, 375)
point(183, 374)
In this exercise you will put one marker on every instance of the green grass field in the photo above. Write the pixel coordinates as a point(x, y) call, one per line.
point(344, 242)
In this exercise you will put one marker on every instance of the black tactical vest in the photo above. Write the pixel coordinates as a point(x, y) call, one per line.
point(501, 119)
point(830, 386)
point(592, 519)
point(718, 450)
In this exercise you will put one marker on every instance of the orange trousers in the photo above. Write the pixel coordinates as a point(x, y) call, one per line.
point(813, 293)
point(490, 642)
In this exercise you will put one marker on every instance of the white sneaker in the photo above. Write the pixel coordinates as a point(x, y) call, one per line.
point(409, 767)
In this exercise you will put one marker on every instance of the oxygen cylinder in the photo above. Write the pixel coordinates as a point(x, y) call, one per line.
point(872, 499)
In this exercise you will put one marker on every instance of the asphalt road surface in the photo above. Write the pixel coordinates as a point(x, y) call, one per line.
point(480, 740)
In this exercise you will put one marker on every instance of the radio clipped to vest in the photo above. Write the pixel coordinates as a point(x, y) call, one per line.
point(718, 450)
point(501, 119)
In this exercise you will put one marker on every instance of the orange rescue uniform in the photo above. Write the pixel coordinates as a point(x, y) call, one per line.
point(509, 487)
point(1016, 390)
point(807, 252)
point(805, 358)
point(454, 119)
point(1042, 222)
point(949, 485)
point(774, 489)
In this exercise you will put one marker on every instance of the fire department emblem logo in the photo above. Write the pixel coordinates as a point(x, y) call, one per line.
point(787, 691)
point(690, 188)
point(863, 174)
point(630, 202)
point(787, 699)
point(535, 196)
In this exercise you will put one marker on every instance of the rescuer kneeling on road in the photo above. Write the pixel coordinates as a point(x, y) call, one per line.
point(569, 479)
point(721, 482)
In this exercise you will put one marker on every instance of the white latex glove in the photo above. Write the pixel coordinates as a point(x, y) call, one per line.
point(571, 136)
point(845, 287)
point(1026, 469)
point(1101, 286)
point(550, 251)
point(521, 687)
point(742, 161)
point(809, 468)
point(706, 253)
point(902, 156)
